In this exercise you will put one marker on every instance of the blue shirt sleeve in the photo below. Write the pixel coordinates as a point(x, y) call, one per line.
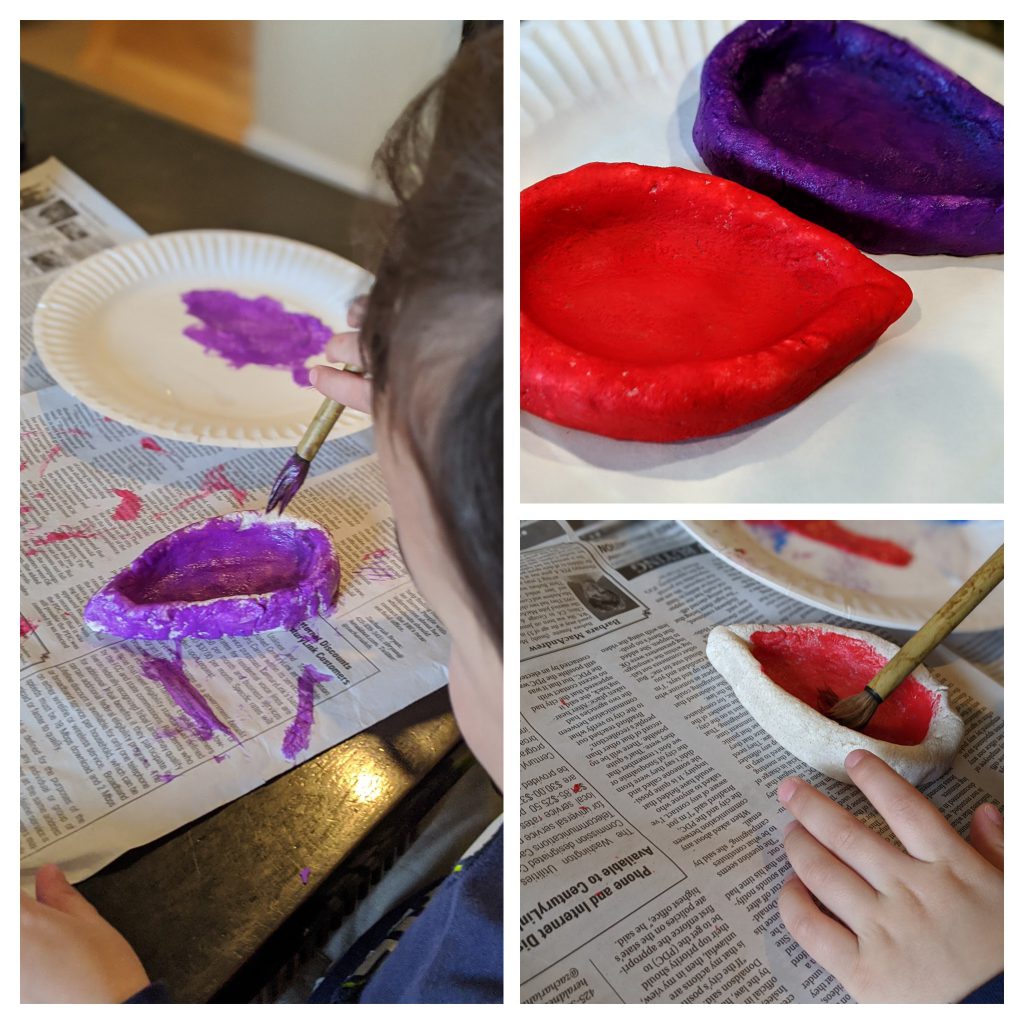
point(450, 953)
point(155, 993)
point(990, 992)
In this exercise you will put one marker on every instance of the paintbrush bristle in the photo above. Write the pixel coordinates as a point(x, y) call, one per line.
point(287, 484)
point(855, 712)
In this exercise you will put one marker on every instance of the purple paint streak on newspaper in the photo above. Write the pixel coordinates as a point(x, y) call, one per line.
point(166, 777)
point(170, 674)
point(247, 332)
point(296, 738)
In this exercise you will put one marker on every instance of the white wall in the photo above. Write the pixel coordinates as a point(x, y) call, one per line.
point(325, 92)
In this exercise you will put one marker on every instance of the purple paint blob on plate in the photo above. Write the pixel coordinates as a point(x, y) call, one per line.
point(296, 737)
point(170, 674)
point(255, 332)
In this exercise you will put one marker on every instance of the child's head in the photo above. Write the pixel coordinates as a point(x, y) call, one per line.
point(432, 340)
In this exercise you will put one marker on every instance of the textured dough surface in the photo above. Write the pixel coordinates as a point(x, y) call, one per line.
point(858, 131)
point(809, 734)
point(659, 304)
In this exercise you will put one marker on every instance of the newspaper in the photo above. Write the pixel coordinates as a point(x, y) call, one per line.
point(124, 741)
point(651, 853)
point(63, 221)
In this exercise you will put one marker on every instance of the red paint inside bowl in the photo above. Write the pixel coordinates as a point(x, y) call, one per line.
point(808, 663)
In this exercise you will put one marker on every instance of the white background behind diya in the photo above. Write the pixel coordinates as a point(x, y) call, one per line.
point(902, 597)
point(918, 418)
point(110, 331)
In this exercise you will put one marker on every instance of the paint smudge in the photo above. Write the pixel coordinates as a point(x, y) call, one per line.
point(828, 531)
point(166, 777)
point(27, 626)
point(296, 737)
point(26, 508)
point(376, 569)
point(220, 757)
point(213, 480)
point(170, 674)
point(131, 505)
point(48, 460)
point(151, 446)
point(54, 537)
point(255, 332)
point(304, 874)
point(24, 465)
point(75, 432)
point(577, 786)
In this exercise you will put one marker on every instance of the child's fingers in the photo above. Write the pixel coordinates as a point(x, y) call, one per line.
point(837, 830)
point(344, 348)
point(832, 944)
point(917, 823)
point(357, 311)
point(987, 834)
point(834, 884)
point(352, 390)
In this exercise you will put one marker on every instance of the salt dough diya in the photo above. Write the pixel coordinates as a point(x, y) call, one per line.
point(659, 304)
point(233, 575)
point(783, 674)
point(858, 131)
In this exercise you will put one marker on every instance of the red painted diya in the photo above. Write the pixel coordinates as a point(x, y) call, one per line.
point(658, 304)
point(790, 677)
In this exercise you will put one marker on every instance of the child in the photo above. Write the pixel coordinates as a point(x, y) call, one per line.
point(921, 926)
point(432, 343)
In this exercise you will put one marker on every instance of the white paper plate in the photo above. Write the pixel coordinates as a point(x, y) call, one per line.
point(918, 418)
point(903, 597)
point(110, 332)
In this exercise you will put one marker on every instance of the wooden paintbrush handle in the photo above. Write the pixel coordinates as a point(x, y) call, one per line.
point(317, 431)
point(940, 625)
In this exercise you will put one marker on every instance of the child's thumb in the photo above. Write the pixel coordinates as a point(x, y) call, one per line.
point(54, 890)
point(987, 834)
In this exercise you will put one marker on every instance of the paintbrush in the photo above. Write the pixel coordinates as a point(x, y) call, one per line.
point(855, 712)
point(293, 475)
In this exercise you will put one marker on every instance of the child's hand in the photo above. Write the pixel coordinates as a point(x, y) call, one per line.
point(350, 389)
point(69, 954)
point(920, 926)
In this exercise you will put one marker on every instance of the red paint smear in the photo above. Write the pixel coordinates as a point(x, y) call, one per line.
point(54, 537)
point(26, 508)
point(214, 480)
point(828, 531)
point(807, 663)
point(24, 465)
point(150, 445)
point(27, 626)
point(131, 505)
point(577, 787)
point(48, 459)
point(75, 431)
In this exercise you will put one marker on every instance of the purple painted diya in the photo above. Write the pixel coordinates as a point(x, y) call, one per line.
point(858, 131)
point(232, 575)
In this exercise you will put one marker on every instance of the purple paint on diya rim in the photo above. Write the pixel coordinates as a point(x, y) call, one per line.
point(233, 575)
point(858, 131)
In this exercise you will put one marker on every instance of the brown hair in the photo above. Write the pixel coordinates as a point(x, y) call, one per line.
point(432, 338)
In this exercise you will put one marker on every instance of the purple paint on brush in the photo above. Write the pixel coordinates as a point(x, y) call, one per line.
point(304, 874)
point(296, 738)
point(255, 332)
point(170, 674)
